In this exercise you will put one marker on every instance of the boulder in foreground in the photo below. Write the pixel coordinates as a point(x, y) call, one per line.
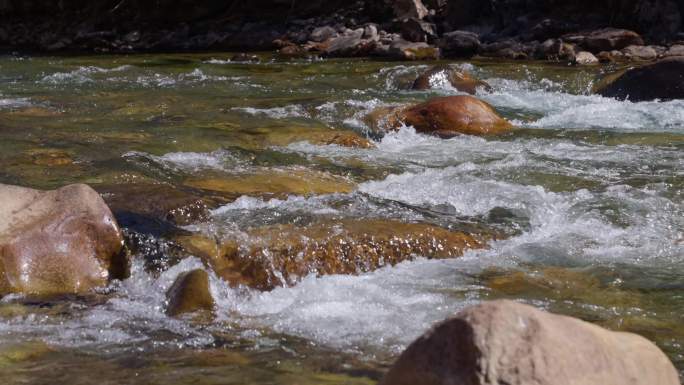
point(504, 342)
point(57, 242)
point(661, 80)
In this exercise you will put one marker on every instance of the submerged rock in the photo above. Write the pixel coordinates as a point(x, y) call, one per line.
point(50, 157)
point(54, 242)
point(315, 135)
point(280, 255)
point(445, 117)
point(12, 354)
point(160, 201)
point(661, 80)
point(345, 139)
point(190, 293)
point(460, 80)
point(276, 183)
point(504, 342)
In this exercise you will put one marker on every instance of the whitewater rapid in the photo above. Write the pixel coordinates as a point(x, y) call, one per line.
point(583, 202)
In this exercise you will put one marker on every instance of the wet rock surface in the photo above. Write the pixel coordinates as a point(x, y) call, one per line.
point(507, 342)
point(445, 117)
point(281, 255)
point(275, 183)
point(54, 242)
point(190, 293)
point(445, 75)
point(662, 80)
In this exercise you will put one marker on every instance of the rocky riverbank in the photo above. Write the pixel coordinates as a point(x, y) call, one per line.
point(580, 32)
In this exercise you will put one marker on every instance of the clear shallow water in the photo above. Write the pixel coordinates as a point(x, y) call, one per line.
point(589, 192)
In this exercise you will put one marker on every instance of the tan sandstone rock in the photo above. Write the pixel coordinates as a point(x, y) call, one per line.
point(54, 242)
point(504, 342)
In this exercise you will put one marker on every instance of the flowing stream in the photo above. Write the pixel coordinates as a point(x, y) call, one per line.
point(589, 193)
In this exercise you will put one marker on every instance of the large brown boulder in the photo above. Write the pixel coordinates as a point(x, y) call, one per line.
point(661, 80)
point(460, 80)
point(504, 342)
point(55, 242)
point(280, 255)
point(445, 117)
point(190, 293)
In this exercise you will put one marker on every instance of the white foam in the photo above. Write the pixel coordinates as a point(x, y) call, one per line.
point(382, 310)
point(316, 205)
point(133, 316)
point(291, 111)
point(573, 226)
point(14, 103)
point(560, 109)
point(193, 161)
point(81, 75)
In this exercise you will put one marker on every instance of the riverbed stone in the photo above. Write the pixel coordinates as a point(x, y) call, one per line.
point(639, 52)
point(280, 255)
point(350, 43)
point(585, 58)
point(56, 242)
point(190, 293)
point(460, 80)
point(608, 39)
point(661, 80)
point(675, 50)
point(460, 44)
point(323, 33)
point(505, 342)
point(401, 49)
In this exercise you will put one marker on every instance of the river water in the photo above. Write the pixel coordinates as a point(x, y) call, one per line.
point(588, 192)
